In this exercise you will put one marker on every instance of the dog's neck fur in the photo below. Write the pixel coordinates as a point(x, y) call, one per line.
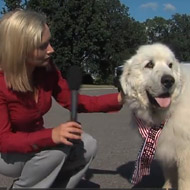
point(151, 116)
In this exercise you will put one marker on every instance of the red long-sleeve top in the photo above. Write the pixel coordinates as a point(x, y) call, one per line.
point(21, 118)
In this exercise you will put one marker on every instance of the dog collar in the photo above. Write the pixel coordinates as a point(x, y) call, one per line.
point(148, 149)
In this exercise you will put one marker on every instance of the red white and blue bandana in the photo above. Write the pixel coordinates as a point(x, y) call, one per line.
point(147, 152)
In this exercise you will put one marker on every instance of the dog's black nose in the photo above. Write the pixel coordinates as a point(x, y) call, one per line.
point(167, 81)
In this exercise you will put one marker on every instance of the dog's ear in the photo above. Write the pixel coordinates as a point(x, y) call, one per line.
point(125, 77)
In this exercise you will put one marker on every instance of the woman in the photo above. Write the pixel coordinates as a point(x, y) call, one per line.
point(29, 152)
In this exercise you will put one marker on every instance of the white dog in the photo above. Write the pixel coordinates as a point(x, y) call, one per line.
point(157, 89)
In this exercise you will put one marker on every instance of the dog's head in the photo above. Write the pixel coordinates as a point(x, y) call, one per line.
point(151, 78)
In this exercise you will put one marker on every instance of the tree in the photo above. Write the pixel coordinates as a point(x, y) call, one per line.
point(157, 30)
point(95, 34)
point(92, 34)
point(180, 36)
point(173, 32)
point(12, 5)
point(119, 38)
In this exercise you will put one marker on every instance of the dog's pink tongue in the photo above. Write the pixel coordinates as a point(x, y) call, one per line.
point(163, 102)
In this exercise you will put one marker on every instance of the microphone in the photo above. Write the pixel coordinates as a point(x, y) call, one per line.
point(74, 79)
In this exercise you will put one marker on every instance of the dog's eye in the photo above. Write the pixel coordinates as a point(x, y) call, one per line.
point(149, 65)
point(170, 65)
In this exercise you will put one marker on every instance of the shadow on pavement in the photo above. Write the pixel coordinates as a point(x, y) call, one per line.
point(87, 184)
point(154, 180)
point(89, 174)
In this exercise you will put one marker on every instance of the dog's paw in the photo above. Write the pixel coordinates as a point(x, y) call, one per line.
point(167, 185)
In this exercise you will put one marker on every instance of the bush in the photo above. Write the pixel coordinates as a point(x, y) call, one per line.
point(87, 79)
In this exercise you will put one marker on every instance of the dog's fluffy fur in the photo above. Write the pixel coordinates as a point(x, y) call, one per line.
point(157, 88)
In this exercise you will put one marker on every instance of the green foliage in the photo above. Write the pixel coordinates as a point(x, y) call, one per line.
point(157, 29)
point(180, 36)
point(174, 32)
point(11, 5)
point(95, 34)
point(99, 35)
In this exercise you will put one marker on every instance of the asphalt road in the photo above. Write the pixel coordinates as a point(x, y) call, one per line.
point(118, 146)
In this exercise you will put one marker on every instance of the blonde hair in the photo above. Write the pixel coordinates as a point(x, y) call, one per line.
point(20, 33)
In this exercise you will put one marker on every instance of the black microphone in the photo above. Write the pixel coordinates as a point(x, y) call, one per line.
point(74, 79)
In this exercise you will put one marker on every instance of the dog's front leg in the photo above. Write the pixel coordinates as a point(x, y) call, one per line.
point(184, 171)
point(170, 174)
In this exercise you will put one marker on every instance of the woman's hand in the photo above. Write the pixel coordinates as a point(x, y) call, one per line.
point(66, 132)
point(121, 98)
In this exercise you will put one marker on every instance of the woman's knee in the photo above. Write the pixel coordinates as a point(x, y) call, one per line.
point(90, 146)
point(11, 164)
point(56, 156)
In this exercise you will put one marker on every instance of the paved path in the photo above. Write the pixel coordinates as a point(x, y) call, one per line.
point(118, 147)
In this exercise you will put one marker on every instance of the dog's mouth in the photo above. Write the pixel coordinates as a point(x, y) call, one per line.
point(162, 101)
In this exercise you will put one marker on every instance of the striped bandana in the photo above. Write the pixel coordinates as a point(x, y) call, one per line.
point(147, 152)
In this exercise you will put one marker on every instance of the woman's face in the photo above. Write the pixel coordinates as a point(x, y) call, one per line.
point(41, 55)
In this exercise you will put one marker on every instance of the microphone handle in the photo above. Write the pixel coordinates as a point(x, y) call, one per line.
point(74, 103)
